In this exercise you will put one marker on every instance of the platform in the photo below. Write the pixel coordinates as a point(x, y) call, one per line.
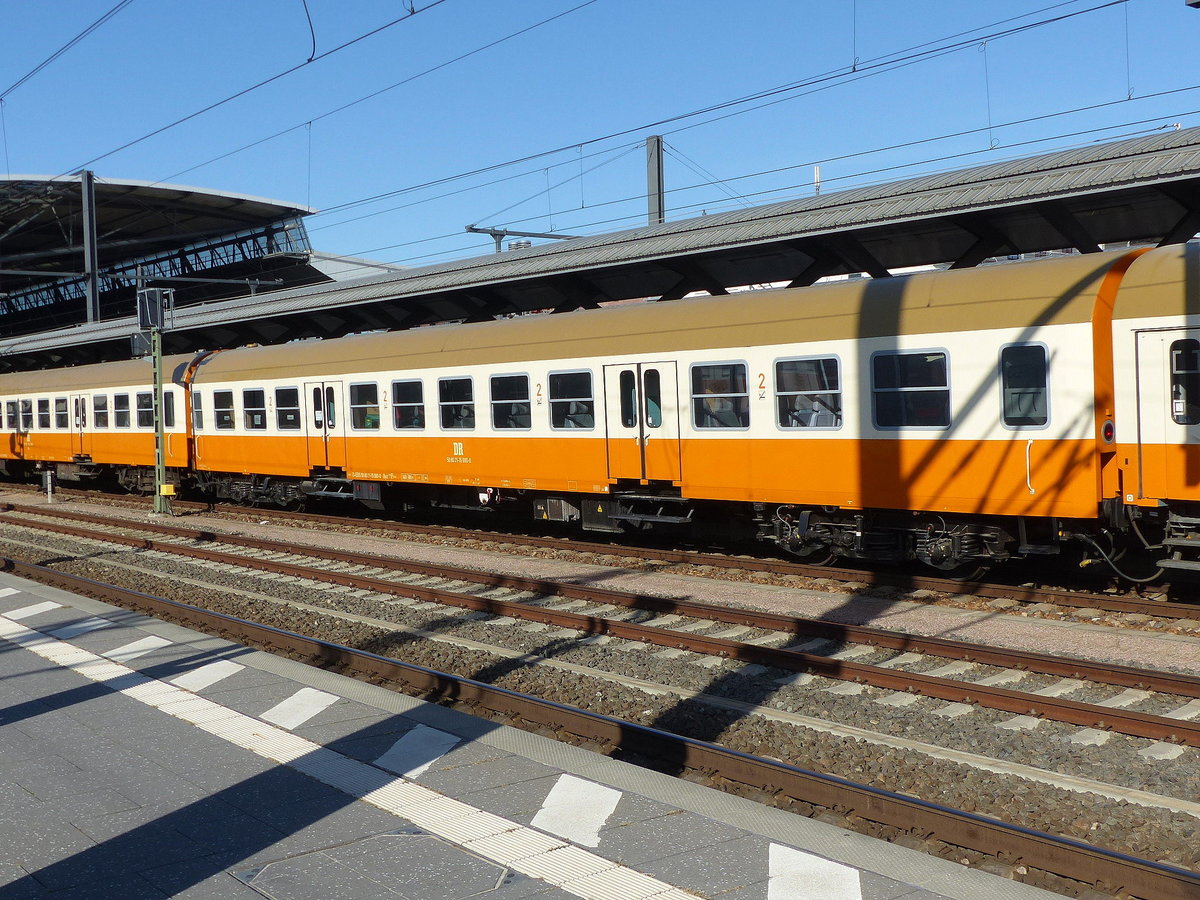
point(139, 759)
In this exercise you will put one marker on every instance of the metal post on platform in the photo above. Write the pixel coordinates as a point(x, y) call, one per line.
point(151, 304)
point(48, 484)
point(162, 502)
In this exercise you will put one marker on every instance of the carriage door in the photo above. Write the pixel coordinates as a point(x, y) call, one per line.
point(81, 441)
point(326, 429)
point(642, 421)
point(1168, 400)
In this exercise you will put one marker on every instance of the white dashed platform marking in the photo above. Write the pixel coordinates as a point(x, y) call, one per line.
point(8, 592)
point(298, 708)
point(417, 750)
point(75, 629)
point(135, 649)
point(577, 809)
point(796, 875)
point(572, 869)
point(26, 611)
point(207, 675)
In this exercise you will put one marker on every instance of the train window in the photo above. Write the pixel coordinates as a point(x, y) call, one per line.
point(100, 410)
point(287, 409)
point(456, 398)
point(12, 420)
point(808, 393)
point(62, 417)
point(1185, 382)
point(628, 392)
point(197, 411)
point(121, 410)
point(44, 413)
point(168, 409)
point(652, 392)
point(720, 396)
point(330, 408)
point(145, 409)
point(223, 410)
point(26, 415)
point(1023, 371)
point(571, 403)
point(510, 402)
point(364, 407)
point(408, 404)
point(254, 409)
point(910, 390)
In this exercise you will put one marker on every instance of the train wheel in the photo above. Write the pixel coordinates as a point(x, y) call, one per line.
point(812, 554)
point(965, 570)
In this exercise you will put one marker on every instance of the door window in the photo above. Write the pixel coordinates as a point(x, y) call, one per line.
point(1185, 382)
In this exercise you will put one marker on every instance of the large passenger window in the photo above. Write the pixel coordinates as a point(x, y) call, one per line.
point(26, 415)
point(223, 410)
point(121, 410)
point(720, 397)
point(12, 419)
point(100, 410)
point(364, 407)
point(456, 400)
point(808, 393)
point(44, 413)
point(1185, 382)
point(254, 409)
point(62, 417)
point(571, 403)
point(911, 390)
point(1023, 370)
point(408, 404)
point(145, 410)
point(287, 409)
point(510, 401)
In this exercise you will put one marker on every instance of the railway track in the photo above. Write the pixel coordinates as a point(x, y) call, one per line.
point(788, 643)
point(785, 784)
point(1027, 593)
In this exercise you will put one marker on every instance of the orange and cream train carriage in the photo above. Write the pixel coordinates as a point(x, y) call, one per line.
point(955, 417)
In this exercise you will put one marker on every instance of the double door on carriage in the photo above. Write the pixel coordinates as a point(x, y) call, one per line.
point(642, 413)
point(325, 424)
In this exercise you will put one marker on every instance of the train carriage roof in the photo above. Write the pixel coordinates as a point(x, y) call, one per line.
point(1025, 294)
point(1165, 282)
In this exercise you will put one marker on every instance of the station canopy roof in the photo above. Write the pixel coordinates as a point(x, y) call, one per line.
point(204, 244)
point(1143, 190)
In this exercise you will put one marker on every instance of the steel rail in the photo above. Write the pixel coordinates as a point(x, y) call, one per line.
point(1042, 663)
point(900, 580)
point(1061, 856)
point(1059, 709)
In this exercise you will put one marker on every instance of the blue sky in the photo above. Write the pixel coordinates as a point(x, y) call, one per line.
point(600, 68)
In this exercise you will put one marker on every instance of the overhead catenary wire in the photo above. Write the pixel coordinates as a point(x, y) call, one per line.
point(839, 158)
point(371, 96)
point(894, 59)
point(64, 48)
point(879, 171)
point(263, 83)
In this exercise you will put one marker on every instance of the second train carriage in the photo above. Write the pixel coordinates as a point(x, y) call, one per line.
point(951, 416)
